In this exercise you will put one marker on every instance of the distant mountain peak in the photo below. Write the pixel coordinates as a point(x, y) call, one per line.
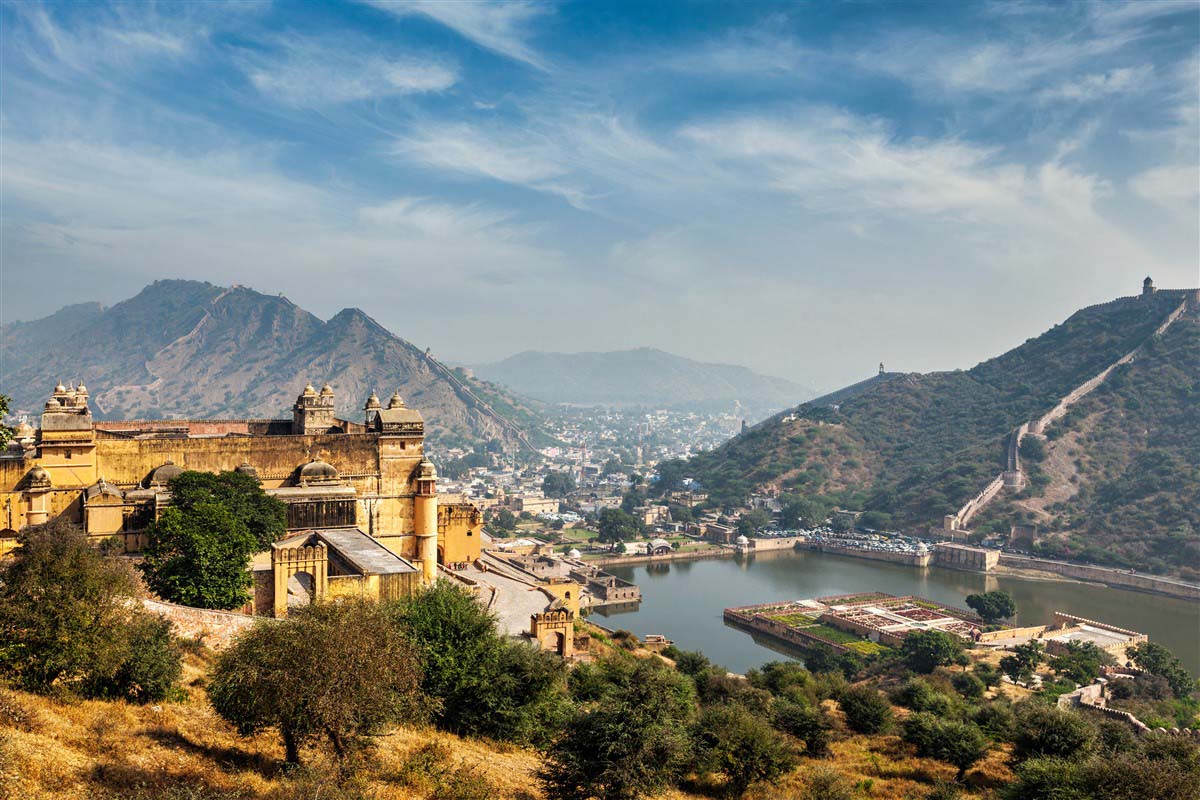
point(641, 376)
point(182, 348)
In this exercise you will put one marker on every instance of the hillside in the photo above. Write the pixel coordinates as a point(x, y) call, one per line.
point(641, 377)
point(918, 446)
point(191, 349)
point(181, 750)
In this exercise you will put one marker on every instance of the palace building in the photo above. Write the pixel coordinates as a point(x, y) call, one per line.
point(363, 517)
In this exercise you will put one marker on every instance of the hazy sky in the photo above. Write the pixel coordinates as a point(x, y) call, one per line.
point(806, 189)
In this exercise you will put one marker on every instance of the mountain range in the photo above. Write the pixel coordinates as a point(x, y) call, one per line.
point(191, 349)
point(641, 377)
point(1115, 480)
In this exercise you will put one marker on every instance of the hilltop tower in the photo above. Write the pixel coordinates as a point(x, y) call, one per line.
point(1148, 287)
point(425, 519)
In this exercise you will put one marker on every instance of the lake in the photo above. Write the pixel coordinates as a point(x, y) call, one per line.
point(684, 600)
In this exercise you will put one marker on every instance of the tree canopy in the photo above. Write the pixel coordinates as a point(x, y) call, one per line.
point(68, 621)
point(338, 670)
point(925, 651)
point(618, 526)
point(198, 550)
point(992, 606)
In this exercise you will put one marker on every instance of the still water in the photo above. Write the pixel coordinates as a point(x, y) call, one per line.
point(683, 600)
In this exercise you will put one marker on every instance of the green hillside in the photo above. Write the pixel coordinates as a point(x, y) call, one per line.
point(916, 447)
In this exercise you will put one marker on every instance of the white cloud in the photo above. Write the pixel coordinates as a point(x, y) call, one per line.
point(529, 160)
point(1170, 185)
point(313, 73)
point(105, 209)
point(502, 26)
point(434, 218)
point(1096, 86)
point(835, 161)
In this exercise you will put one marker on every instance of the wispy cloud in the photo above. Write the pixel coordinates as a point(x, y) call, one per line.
point(502, 26)
point(311, 72)
point(436, 218)
point(531, 161)
point(1096, 86)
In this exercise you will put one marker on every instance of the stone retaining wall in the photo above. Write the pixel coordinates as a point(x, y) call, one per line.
point(214, 628)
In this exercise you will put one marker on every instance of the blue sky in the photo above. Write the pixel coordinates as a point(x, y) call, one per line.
point(807, 189)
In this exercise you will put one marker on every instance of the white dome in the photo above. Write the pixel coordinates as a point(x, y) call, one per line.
point(573, 553)
point(742, 540)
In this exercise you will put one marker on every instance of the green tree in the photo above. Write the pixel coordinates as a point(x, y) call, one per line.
point(198, 550)
point(339, 671)
point(6, 433)
point(558, 484)
point(242, 495)
point(992, 606)
point(63, 609)
point(199, 557)
point(481, 683)
point(1021, 663)
point(866, 710)
point(506, 520)
point(740, 745)
point(618, 526)
point(628, 742)
point(925, 651)
point(1158, 660)
point(68, 621)
point(1081, 662)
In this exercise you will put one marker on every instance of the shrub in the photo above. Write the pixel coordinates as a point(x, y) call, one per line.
point(810, 725)
point(826, 783)
point(997, 720)
point(65, 611)
point(968, 685)
point(630, 742)
point(1044, 732)
point(917, 694)
point(152, 665)
point(732, 741)
point(958, 743)
point(866, 710)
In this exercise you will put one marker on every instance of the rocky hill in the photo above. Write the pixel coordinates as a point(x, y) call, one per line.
point(1121, 477)
point(191, 349)
point(641, 377)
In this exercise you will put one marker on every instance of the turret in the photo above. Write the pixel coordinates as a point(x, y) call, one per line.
point(425, 519)
point(370, 408)
point(1148, 287)
point(313, 412)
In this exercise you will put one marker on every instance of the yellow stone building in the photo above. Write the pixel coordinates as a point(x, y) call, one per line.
point(363, 516)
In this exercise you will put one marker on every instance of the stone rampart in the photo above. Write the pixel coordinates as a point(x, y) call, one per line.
point(214, 628)
point(1106, 575)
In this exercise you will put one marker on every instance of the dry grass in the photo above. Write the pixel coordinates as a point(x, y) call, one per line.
point(100, 750)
